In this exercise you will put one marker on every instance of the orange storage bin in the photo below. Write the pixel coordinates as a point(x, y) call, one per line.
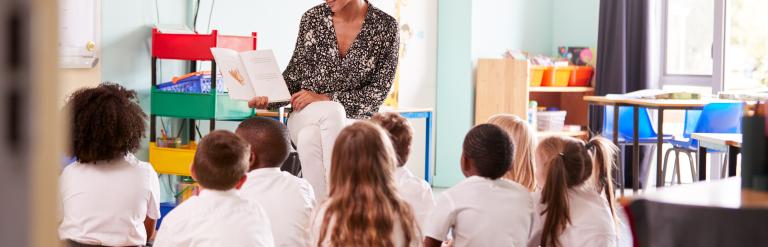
point(581, 76)
point(557, 76)
point(536, 74)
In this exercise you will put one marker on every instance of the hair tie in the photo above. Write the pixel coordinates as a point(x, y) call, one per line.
point(589, 145)
point(562, 155)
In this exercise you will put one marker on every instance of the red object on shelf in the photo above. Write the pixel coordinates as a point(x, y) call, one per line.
point(581, 76)
point(196, 46)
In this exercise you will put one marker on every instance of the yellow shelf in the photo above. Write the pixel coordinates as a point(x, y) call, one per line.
point(561, 89)
point(174, 161)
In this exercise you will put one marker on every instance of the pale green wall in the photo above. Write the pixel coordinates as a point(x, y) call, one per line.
point(575, 23)
point(498, 25)
point(454, 87)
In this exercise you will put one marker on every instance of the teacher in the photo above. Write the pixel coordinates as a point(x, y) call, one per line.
point(342, 69)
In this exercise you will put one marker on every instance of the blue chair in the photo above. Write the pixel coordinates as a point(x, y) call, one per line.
point(646, 134)
point(714, 118)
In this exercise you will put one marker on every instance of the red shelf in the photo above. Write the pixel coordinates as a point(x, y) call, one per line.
point(196, 46)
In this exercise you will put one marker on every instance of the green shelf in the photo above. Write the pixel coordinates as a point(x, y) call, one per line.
point(199, 106)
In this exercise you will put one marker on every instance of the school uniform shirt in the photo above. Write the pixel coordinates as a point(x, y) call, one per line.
point(215, 218)
point(287, 200)
point(591, 221)
point(316, 224)
point(107, 203)
point(483, 212)
point(416, 192)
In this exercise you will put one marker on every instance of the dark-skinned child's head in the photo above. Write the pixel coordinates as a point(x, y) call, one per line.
point(106, 123)
point(270, 143)
point(487, 152)
point(221, 161)
point(399, 132)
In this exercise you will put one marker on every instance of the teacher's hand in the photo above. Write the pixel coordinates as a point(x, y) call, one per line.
point(259, 102)
point(303, 98)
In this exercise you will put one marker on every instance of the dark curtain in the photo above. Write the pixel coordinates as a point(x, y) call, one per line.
point(622, 56)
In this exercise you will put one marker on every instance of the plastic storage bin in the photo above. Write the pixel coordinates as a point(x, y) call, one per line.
point(581, 76)
point(198, 106)
point(174, 161)
point(550, 120)
point(196, 46)
point(193, 84)
point(536, 74)
point(556, 76)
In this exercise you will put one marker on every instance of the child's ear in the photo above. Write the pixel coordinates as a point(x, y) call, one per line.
point(241, 182)
point(192, 171)
point(252, 160)
point(465, 165)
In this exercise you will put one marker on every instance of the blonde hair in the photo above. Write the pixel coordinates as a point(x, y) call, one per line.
point(569, 163)
point(524, 141)
point(364, 205)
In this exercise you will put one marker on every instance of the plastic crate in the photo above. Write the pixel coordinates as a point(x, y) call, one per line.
point(196, 46)
point(581, 76)
point(198, 106)
point(193, 84)
point(550, 120)
point(174, 161)
point(557, 76)
point(165, 208)
point(536, 74)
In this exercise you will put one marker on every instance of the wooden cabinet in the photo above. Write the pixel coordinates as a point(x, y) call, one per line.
point(502, 87)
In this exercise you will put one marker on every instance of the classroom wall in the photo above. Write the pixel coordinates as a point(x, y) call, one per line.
point(574, 23)
point(125, 57)
point(499, 25)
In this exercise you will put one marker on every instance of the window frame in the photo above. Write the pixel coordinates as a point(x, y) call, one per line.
point(715, 81)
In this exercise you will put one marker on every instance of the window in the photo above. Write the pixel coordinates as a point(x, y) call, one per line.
point(689, 37)
point(721, 44)
point(746, 44)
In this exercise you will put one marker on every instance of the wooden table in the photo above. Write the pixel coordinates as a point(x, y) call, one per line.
point(730, 143)
point(706, 213)
point(660, 105)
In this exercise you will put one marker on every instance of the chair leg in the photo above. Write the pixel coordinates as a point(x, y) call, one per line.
point(724, 167)
point(693, 165)
point(647, 170)
point(676, 171)
point(666, 165)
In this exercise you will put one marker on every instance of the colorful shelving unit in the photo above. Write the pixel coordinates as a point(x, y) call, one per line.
point(210, 106)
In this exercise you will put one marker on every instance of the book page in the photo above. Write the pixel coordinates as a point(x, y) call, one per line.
point(265, 75)
point(234, 74)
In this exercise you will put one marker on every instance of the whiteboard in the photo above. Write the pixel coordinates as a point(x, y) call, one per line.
point(79, 33)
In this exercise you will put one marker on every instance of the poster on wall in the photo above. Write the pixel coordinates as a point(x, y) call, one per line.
point(415, 76)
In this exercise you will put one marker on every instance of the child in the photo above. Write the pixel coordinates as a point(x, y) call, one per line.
point(415, 191)
point(288, 200)
point(108, 197)
point(484, 209)
point(524, 141)
point(363, 208)
point(218, 216)
point(571, 209)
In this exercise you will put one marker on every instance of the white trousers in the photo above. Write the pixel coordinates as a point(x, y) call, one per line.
point(314, 130)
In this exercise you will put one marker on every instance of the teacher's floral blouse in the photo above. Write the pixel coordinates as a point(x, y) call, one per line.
point(361, 80)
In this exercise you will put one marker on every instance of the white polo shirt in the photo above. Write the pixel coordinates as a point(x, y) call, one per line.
point(591, 221)
point(416, 192)
point(106, 204)
point(215, 218)
point(287, 200)
point(483, 212)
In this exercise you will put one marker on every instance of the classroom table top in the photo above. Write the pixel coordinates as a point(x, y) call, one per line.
point(719, 138)
point(725, 193)
point(652, 103)
point(265, 113)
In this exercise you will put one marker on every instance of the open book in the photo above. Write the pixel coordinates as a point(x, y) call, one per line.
point(250, 74)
